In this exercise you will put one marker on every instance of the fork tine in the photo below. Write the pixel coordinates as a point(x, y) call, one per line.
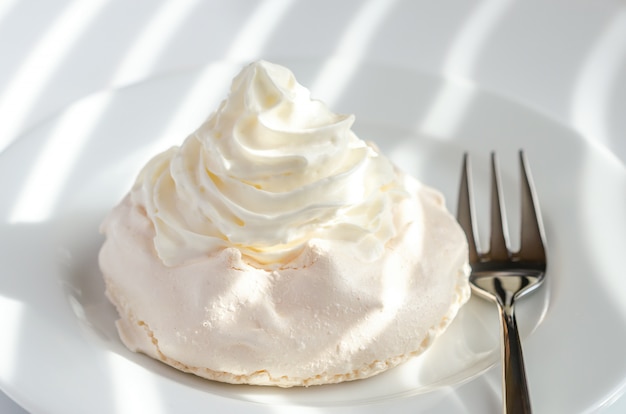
point(498, 245)
point(465, 213)
point(532, 244)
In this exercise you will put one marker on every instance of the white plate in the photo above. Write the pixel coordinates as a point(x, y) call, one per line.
point(59, 352)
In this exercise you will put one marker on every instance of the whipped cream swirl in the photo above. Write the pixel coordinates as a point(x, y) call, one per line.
point(268, 172)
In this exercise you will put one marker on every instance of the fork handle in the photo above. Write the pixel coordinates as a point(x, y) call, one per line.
point(515, 388)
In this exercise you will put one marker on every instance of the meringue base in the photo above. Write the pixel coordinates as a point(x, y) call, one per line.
point(325, 317)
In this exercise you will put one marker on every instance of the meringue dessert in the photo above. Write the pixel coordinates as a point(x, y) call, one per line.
point(275, 247)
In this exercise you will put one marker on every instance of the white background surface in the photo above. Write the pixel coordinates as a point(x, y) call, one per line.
point(566, 59)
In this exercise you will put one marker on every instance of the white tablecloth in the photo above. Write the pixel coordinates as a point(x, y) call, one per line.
point(566, 59)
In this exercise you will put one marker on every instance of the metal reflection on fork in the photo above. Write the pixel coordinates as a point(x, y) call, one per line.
point(503, 276)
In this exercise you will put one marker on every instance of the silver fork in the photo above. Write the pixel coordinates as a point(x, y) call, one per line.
point(504, 276)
